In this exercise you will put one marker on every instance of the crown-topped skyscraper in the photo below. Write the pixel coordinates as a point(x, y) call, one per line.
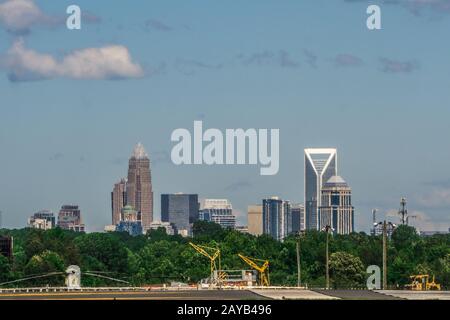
point(139, 186)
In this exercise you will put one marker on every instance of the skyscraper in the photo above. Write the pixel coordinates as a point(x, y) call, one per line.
point(139, 186)
point(44, 219)
point(277, 218)
point(336, 208)
point(255, 220)
point(320, 165)
point(298, 215)
point(181, 210)
point(219, 211)
point(69, 218)
point(118, 200)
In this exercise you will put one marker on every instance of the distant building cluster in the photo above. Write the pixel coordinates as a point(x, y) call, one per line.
point(327, 203)
point(132, 204)
point(69, 218)
point(44, 220)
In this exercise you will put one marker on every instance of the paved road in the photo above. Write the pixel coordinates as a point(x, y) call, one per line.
point(293, 294)
point(255, 294)
point(357, 295)
point(159, 295)
point(417, 295)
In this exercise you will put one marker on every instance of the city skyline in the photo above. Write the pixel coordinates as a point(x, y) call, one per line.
point(321, 157)
point(379, 97)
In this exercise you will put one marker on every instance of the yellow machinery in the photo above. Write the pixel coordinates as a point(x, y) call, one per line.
point(212, 254)
point(421, 282)
point(263, 270)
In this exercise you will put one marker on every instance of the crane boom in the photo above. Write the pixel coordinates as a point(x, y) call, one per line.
point(213, 256)
point(200, 250)
point(263, 270)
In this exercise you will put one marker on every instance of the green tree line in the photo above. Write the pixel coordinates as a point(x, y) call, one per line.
point(158, 258)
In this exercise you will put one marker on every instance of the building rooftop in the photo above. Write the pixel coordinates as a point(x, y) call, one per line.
point(336, 181)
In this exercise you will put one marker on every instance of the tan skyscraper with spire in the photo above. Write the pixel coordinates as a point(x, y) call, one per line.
point(118, 200)
point(139, 186)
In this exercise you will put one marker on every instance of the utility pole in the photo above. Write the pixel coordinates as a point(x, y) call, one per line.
point(328, 265)
point(384, 255)
point(299, 271)
point(327, 229)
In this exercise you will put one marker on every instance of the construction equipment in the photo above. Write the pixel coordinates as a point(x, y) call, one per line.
point(212, 254)
point(421, 282)
point(263, 270)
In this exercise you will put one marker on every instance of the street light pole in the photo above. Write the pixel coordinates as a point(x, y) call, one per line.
point(327, 266)
point(299, 273)
point(384, 255)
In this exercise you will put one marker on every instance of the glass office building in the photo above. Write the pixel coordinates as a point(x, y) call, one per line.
point(219, 211)
point(298, 216)
point(320, 166)
point(181, 210)
point(277, 218)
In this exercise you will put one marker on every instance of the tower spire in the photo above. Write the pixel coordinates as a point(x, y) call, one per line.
point(139, 152)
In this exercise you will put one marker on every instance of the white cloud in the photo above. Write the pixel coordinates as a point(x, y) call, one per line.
point(423, 222)
point(420, 220)
point(436, 198)
point(18, 16)
point(110, 62)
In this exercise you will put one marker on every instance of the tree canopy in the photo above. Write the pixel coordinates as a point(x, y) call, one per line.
point(158, 258)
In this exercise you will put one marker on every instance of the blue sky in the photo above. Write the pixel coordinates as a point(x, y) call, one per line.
point(310, 68)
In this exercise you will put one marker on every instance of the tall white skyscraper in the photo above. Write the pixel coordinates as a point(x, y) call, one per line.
point(336, 208)
point(320, 165)
point(277, 218)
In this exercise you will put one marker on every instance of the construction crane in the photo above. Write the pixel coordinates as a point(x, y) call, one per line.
point(212, 254)
point(421, 282)
point(263, 270)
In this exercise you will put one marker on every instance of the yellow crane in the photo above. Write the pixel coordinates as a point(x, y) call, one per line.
point(263, 269)
point(212, 254)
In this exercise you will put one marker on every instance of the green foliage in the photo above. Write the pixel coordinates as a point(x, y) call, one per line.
point(158, 258)
point(346, 270)
point(5, 269)
point(104, 251)
point(47, 262)
point(206, 231)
